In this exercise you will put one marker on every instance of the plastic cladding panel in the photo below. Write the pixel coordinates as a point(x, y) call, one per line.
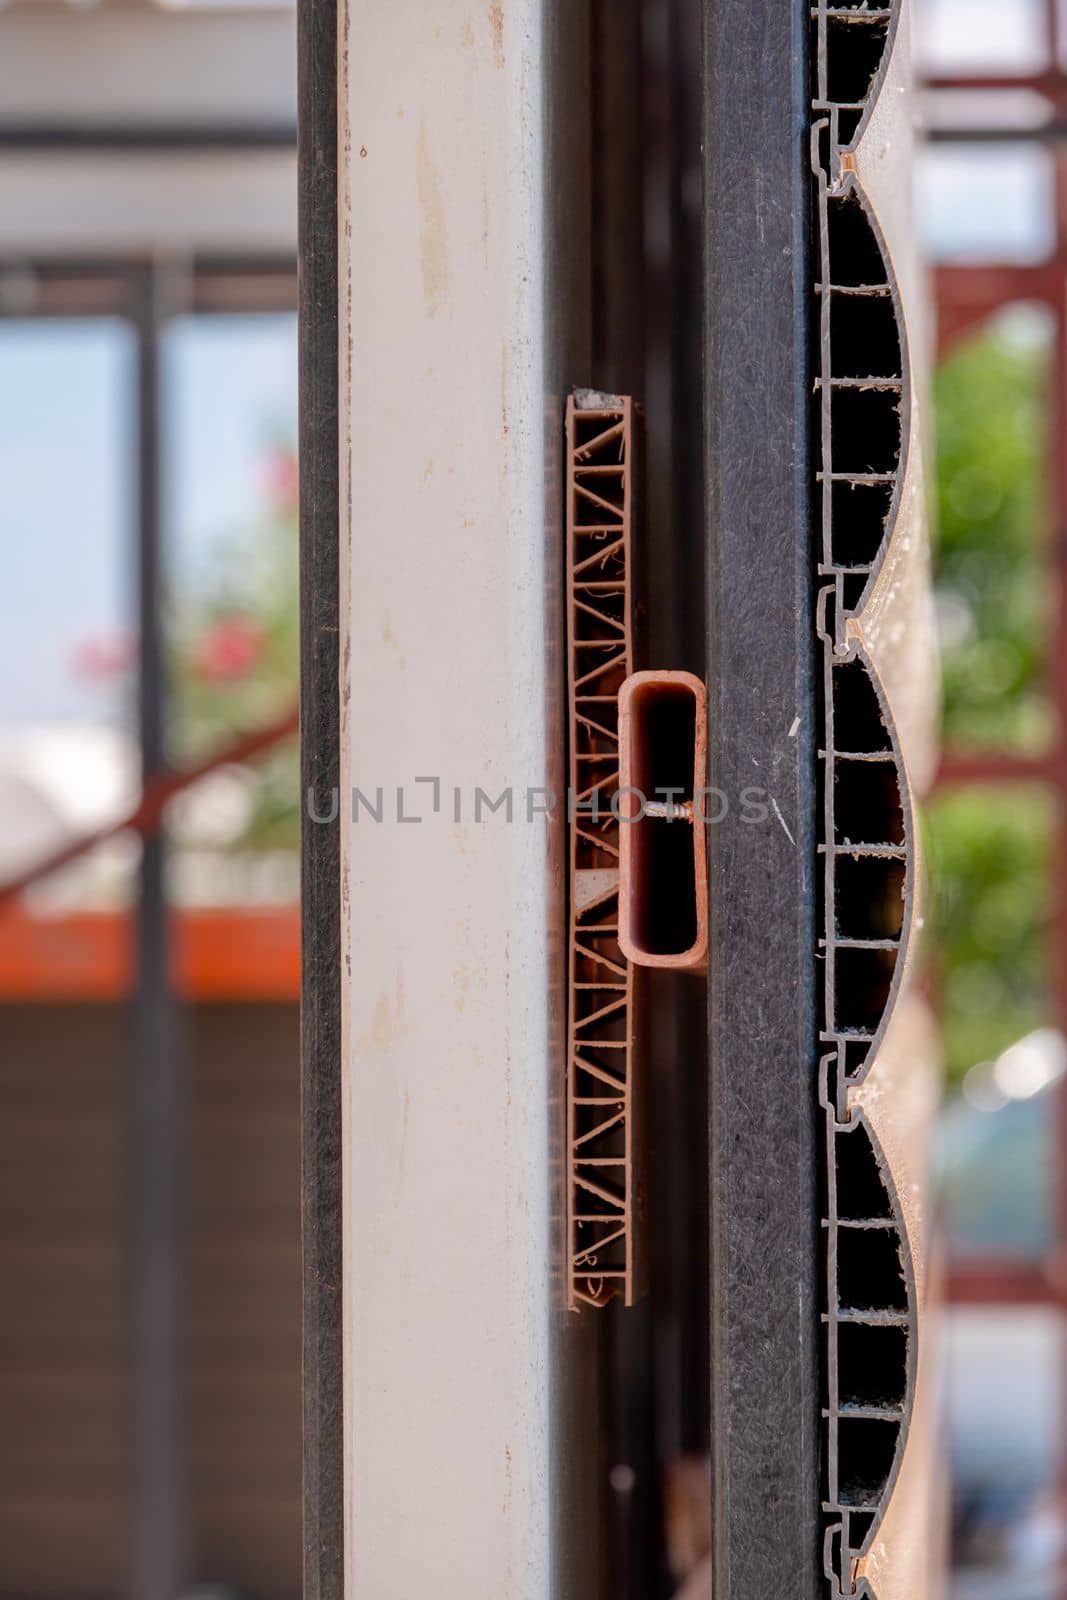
point(873, 619)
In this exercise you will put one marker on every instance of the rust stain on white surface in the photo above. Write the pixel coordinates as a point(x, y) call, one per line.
point(433, 233)
point(496, 27)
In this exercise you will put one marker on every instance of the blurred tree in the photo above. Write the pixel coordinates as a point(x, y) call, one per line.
point(991, 420)
point(988, 855)
point(989, 849)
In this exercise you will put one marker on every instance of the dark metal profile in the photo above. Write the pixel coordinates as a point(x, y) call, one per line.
point(320, 848)
point(765, 1278)
point(101, 285)
point(96, 137)
point(159, 1543)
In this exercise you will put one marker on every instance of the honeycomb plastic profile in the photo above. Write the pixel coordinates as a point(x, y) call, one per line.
point(863, 386)
point(599, 1180)
point(864, 426)
point(663, 897)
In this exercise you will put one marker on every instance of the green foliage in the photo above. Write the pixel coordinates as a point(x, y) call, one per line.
point(988, 856)
point(989, 849)
point(992, 430)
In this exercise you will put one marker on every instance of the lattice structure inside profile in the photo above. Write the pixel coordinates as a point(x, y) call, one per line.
point(862, 401)
point(869, 1344)
point(600, 1049)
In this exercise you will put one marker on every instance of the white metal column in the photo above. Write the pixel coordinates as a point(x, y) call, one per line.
point(450, 671)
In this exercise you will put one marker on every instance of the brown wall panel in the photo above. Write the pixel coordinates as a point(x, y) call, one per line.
point(64, 1395)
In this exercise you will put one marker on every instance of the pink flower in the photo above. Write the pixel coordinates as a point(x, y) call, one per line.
point(228, 649)
point(282, 478)
point(104, 657)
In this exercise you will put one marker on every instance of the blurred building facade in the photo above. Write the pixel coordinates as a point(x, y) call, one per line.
point(149, 1142)
point(993, 189)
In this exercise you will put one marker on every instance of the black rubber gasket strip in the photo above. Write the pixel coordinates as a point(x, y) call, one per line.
point(323, 1568)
